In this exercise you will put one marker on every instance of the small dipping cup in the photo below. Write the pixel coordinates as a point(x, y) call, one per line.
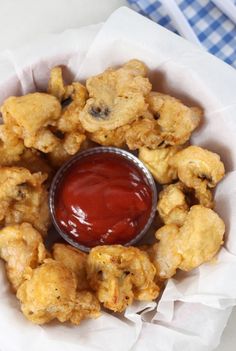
point(60, 176)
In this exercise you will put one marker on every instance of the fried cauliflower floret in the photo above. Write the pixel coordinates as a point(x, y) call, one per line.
point(21, 247)
point(187, 247)
point(164, 254)
point(56, 86)
point(143, 132)
point(23, 198)
point(116, 97)
point(199, 169)
point(175, 120)
point(11, 147)
point(200, 237)
point(51, 293)
point(158, 163)
point(172, 205)
point(121, 274)
point(73, 259)
point(30, 117)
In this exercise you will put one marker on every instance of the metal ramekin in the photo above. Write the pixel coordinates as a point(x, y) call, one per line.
point(113, 150)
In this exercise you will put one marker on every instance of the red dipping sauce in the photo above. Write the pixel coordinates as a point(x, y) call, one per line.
point(102, 199)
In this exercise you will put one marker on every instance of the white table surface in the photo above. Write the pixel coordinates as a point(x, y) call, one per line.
point(25, 20)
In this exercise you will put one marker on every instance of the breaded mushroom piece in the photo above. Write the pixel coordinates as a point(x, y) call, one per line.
point(116, 97)
point(73, 259)
point(158, 163)
point(51, 293)
point(121, 274)
point(197, 241)
point(23, 198)
point(200, 170)
point(176, 120)
point(21, 247)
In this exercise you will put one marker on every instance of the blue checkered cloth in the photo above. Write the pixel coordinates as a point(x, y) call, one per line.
point(215, 31)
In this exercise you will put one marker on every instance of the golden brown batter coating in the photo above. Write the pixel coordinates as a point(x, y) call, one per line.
point(200, 170)
point(30, 118)
point(51, 293)
point(11, 147)
point(172, 205)
point(115, 137)
point(197, 241)
point(201, 236)
point(121, 274)
point(143, 132)
point(73, 259)
point(176, 120)
point(23, 198)
point(116, 97)
point(158, 163)
point(21, 247)
point(56, 86)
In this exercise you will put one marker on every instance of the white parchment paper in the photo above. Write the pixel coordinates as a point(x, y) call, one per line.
point(195, 306)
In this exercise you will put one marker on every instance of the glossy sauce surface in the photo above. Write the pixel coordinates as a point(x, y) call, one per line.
point(103, 199)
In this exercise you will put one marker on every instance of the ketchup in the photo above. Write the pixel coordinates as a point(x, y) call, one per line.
point(103, 199)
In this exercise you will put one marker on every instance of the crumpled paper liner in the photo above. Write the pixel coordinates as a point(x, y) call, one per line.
point(194, 307)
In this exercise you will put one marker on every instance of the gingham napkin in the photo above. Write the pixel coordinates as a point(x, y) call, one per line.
point(211, 24)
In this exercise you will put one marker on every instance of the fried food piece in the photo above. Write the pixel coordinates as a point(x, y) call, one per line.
point(200, 237)
point(30, 118)
point(175, 120)
point(158, 163)
point(172, 205)
point(21, 247)
point(187, 247)
point(51, 293)
point(143, 132)
point(34, 161)
point(23, 198)
point(86, 306)
point(116, 97)
point(11, 147)
point(121, 274)
point(114, 137)
point(199, 169)
point(68, 126)
point(73, 259)
point(58, 156)
point(164, 254)
point(69, 120)
point(56, 86)
point(71, 144)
